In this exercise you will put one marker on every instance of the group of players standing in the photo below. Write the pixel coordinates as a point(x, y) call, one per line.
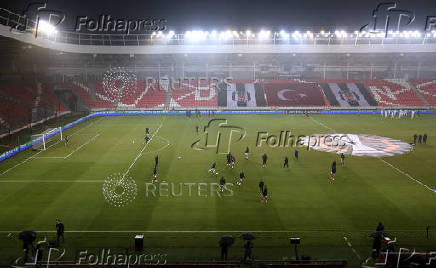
point(420, 138)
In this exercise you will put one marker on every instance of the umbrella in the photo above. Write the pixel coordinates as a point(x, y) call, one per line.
point(27, 236)
point(226, 240)
point(248, 236)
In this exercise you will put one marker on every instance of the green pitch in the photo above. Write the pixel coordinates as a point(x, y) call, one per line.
point(66, 182)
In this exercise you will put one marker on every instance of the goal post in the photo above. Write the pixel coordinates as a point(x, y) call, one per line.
point(40, 141)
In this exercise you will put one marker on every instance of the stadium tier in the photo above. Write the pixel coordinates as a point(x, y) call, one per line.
point(22, 104)
point(41, 99)
point(427, 88)
point(393, 92)
point(193, 93)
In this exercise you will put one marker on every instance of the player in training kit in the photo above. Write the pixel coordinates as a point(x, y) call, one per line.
point(286, 163)
point(196, 129)
point(424, 138)
point(212, 169)
point(342, 159)
point(264, 159)
point(229, 159)
point(67, 140)
point(414, 138)
point(419, 138)
point(261, 185)
point(232, 163)
point(265, 195)
point(333, 173)
point(147, 130)
point(222, 184)
point(241, 178)
point(156, 160)
point(154, 175)
point(296, 154)
point(246, 153)
point(147, 139)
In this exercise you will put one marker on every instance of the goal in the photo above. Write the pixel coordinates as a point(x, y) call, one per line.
point(40, 141)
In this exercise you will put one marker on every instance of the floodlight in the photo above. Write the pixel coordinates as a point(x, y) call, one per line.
point(170, 34)
point(284, 34)
point(46, 27)
point(264, 34)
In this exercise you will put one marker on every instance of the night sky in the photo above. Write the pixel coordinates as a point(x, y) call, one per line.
point(219, 15)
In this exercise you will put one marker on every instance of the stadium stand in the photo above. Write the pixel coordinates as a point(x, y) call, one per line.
point(241, 93)
point(347, 93)
point(153, 96)
point(427, 88)
point(393, 92)
point(81, 90)
point(193, 93)
point(25, 103)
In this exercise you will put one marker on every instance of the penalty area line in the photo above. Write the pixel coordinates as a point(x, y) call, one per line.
point(80, 147)
point(34, 156)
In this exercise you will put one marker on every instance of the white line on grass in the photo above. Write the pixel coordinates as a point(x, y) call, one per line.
point(352, 248)
point(142, 150)
point(324, 125)
point(387, 163)
point(80, 147)
point(408, 176)
point(33, 156)
point(27, 159)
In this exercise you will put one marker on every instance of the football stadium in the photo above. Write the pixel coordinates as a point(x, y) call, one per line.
point(127, 141)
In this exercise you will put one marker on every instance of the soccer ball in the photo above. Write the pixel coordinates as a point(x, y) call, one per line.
point(179, 157)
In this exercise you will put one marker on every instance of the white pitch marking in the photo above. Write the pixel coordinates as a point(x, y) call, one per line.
point(321, 124)
point(27, 159)
point(142, 150)
point(33, 156)
point(407, 175)
point(352, 248)
point(78, 148)
point(388, 164)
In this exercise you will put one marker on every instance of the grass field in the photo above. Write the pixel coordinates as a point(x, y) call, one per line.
point(36, 187)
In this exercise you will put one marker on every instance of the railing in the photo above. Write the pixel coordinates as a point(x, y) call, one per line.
point(22, 23)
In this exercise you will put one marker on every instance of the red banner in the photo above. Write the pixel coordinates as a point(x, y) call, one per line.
point(294, 94)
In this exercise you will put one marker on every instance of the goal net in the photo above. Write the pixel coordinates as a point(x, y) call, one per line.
point(41, 140)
